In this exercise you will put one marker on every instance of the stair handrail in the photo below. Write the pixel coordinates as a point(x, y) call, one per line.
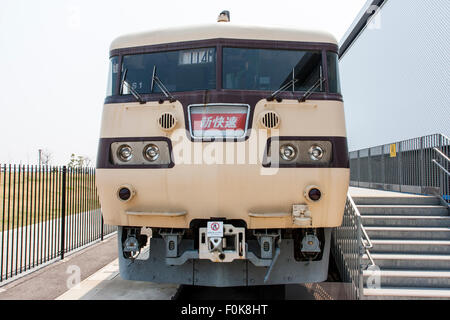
point(367, 244)
point(351, 243)
point(441, 167)
point(444, 186)
point(442, 154)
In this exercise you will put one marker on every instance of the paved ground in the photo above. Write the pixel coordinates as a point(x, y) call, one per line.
point(50, 282)
point(106, 284)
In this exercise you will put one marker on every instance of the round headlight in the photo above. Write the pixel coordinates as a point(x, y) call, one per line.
point(316, 153)
point(288, 152)
point(125, 153)
point(151, 152)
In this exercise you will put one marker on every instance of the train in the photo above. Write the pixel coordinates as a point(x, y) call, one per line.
point(223, 156)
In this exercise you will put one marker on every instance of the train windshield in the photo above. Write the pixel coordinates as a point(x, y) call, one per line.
point(184, 70)
point(269, 70)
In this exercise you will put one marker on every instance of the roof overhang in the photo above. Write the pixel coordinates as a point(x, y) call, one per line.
point(221, 30)
point(359, 24)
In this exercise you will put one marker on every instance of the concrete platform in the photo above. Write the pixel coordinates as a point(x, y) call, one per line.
point(106, 284)
point(363, 192)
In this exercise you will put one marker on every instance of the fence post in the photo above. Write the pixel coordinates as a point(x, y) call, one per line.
point(360, 275)
point(422, 166)
point(369, 160)
point(400, 167)
point(359, 169)
point(63, 212)
point(383, 167)
point(101, 228)
point(440, 172)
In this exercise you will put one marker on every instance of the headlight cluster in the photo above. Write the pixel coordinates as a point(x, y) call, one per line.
point(300, 152)
point(141, 153)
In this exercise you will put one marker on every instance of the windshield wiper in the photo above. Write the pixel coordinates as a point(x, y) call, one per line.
point(133, 92)
point(292, 83)
point(314, 86)
point(161, 86)
point(311, 90)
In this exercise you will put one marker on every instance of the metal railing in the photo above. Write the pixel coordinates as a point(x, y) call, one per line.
point(419, 165)
point(350, 243)
point(46, 212)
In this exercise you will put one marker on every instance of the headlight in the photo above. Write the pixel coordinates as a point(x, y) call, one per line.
point(316, 153)
point(151, 152)
point(125, 153)
point(288, 152)
point(298, 153)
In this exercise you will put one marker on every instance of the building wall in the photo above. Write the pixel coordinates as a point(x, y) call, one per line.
point(396, 75)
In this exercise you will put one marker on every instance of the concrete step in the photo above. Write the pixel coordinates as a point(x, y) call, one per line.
point(396, 210)
point(406, 221)
point(413, 200)
point(416, 233)
point(411, 246)
point(408, 278)
point(406, 294)
point(396, 261)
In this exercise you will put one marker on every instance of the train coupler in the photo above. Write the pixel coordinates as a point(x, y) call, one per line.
point(221, 242)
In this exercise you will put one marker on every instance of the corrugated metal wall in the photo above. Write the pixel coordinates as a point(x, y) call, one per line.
point(396, 76)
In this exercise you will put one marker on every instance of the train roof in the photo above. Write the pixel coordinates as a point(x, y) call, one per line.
point(220, 30)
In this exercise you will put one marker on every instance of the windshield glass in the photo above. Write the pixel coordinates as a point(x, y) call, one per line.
point(267, 69)
point(185, 70)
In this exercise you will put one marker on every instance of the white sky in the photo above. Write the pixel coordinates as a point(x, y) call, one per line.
point(54, 59)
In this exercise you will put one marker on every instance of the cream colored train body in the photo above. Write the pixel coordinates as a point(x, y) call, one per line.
point(240, 184)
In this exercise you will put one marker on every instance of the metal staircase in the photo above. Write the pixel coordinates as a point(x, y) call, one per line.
point(411, 246)
point(397, 245)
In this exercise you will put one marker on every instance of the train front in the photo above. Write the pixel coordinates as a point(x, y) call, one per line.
point(223, 155)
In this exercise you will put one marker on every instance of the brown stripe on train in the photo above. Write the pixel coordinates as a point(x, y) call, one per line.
point(340, 152)
point(237, 43)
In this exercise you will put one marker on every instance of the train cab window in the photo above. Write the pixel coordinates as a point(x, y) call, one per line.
point(112, 76)
point(183, 70)
point(269, 70)
point(333, 72)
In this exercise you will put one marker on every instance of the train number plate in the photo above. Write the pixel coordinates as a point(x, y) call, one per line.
point(214, 230)
point(218, 121)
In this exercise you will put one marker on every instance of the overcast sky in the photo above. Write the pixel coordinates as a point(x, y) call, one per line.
point(54, 59)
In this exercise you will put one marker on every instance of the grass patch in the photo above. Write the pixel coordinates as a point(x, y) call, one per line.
point(32, 196)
